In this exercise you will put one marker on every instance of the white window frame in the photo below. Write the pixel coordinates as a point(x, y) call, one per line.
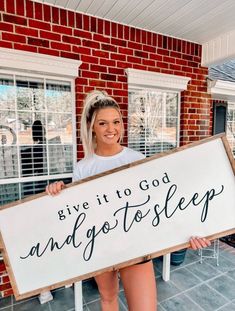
point(15, 62)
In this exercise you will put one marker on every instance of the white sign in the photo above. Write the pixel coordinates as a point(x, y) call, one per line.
point(101, 222)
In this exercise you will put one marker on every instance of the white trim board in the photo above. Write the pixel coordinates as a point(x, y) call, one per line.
point(38, 63)
point(221, 90)
point(154, 79)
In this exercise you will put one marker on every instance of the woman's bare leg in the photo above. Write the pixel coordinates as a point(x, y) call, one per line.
point(140, 287)
point(108, 287)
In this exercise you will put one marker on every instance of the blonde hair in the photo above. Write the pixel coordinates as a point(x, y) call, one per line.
point(95, 101)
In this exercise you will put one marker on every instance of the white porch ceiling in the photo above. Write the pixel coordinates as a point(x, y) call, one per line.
point(194, 20)
point(199, 21)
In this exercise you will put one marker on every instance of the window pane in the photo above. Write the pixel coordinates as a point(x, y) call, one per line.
point(33, 160)
point(68, 154)
point(172, 105)
point(9, 193)
point(8, 162)
point(26, 123)
point(59, 128)
point(7, 92)
point(8, 128)
point(60, 159)
point(58, 96)
point(30, 94)
point(33, 187)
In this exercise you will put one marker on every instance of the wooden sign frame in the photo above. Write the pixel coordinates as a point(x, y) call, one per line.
point(144, 256)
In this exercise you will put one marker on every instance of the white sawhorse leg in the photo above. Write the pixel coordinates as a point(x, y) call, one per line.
point(166, 267)
point(78, 296)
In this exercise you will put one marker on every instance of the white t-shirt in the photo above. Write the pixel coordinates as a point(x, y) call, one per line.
point(96, 164)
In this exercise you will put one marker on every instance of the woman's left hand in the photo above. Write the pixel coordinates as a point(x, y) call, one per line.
point(198, 243)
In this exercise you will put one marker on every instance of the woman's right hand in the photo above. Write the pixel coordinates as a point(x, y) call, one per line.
point(55, 188)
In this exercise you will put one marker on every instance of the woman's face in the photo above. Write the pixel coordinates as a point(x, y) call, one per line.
point(107, 127)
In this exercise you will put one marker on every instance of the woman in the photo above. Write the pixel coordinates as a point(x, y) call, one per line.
point(101, 132)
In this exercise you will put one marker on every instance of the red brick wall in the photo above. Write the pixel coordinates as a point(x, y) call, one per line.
point(5, 285)
point(106, 49)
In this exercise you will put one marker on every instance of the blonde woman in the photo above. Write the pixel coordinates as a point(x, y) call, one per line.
point(101, 132)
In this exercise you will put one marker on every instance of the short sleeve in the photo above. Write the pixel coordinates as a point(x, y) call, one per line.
point(76, 173)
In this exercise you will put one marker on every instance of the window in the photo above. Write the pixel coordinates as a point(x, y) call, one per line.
point(153, 120)
point(230, 131)
point(153, 110)
point(36, 136)
point(37, 130)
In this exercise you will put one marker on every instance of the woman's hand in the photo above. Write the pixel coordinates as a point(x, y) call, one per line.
point(198, 243)
point(55, 188)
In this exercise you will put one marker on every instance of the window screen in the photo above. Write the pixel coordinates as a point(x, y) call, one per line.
point(152, 121)
point(36, 142)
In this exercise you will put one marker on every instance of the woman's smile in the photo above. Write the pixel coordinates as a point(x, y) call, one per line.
point(108, 129)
